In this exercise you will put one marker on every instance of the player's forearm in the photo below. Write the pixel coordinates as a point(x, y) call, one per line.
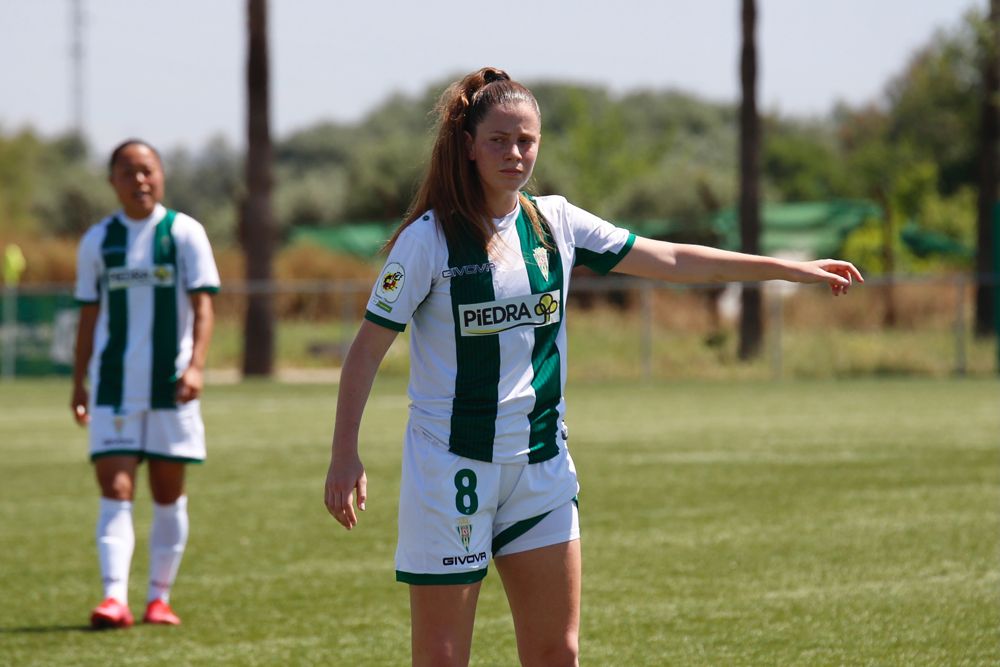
point(705, 264)
point(84, 344)
point(204, 325)
point(686, 263)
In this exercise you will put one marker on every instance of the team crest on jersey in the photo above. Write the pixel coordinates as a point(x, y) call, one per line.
point(464, 529)
point(542, 261)
point(161, 275)
point(390, 284)
point(533, 310)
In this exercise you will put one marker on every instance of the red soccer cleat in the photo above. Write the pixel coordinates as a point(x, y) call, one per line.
point(160, 612)
point(111, 614)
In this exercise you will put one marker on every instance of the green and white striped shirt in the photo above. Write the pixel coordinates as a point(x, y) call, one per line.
point(141, 272)
point(488, 344)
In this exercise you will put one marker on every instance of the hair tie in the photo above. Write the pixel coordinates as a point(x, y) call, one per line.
point(491, 75)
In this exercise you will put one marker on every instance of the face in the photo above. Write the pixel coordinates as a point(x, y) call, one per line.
point(504, 149)
point(137, 179)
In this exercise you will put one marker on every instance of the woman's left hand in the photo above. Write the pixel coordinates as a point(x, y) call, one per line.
point(837, 273)
point(190, 384)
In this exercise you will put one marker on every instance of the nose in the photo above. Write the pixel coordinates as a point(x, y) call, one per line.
point(513, 153)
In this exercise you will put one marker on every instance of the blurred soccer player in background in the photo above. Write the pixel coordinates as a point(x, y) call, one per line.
point(145, 280)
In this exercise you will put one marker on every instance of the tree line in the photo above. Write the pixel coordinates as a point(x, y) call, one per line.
point(915, 151)
point(647, 154)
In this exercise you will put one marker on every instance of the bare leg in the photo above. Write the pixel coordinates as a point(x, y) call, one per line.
point(441, 621)
point(543, 589)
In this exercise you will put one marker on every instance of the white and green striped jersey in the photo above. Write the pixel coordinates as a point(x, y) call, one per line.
point(141, 273)
point(488, 343)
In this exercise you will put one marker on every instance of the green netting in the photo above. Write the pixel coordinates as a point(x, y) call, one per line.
point(924, 243)
point(812, 228)
point(817, 229)
point(361, 239)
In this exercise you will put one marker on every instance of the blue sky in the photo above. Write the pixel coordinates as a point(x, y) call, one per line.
point(173, 72)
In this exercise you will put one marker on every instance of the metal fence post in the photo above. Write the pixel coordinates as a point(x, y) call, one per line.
point(774, 327)
point(9, 332)
point(961, 362)
point(647, 329)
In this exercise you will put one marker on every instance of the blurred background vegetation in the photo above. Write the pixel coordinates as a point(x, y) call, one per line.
point(662, 160)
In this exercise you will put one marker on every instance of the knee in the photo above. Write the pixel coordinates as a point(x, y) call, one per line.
point(441, 655)
point(563, 653)
point(118, 487)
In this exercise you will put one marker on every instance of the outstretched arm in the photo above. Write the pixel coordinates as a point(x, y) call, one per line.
point(346, 475)
point(685, 263)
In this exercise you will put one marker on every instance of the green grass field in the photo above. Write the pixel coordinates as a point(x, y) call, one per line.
point(799, 523)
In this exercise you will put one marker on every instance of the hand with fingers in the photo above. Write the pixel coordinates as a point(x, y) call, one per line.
point(837, 273)
point(79, 403)
point(189, 385)
point(345, 482)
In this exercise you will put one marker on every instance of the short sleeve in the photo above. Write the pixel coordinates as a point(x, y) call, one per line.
point(599, 244)
point(405, 280)
point(89, 264)
point(200, 274)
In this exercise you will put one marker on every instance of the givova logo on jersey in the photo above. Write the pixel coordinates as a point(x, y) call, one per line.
point(533, 310)
point(161, 275)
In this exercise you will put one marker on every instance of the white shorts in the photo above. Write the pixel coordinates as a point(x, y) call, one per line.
point(174, 435)
point(456, 513)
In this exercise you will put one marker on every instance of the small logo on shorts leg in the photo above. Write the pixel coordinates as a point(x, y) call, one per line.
point(464, 529)
point(119, 424)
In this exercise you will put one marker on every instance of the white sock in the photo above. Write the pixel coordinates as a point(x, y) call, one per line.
point(115, 542)
point(167, 539)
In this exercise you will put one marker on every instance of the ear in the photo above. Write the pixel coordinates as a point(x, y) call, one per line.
point(470, 146)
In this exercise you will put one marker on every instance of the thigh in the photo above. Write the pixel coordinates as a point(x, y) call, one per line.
point(176, 435)
point(543, 589)
point(441, 623)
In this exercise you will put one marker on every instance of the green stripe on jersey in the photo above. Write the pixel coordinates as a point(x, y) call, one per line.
point(111, 377)
point(544, 275)
point(602, 262)
point(477, 373)
point(163, 379)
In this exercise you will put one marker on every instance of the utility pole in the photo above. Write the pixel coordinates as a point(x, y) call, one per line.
point(76, 65)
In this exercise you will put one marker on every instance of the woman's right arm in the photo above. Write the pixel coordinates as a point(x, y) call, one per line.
point(346, 475)
point(79, 402)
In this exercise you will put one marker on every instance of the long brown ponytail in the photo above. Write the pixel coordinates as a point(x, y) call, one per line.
point(451, 186)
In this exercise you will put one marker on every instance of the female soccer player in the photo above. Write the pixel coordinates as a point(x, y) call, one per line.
point(482, 270)
point(145, 277)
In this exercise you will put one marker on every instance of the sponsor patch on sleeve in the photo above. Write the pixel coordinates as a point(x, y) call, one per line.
point(390, 283)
